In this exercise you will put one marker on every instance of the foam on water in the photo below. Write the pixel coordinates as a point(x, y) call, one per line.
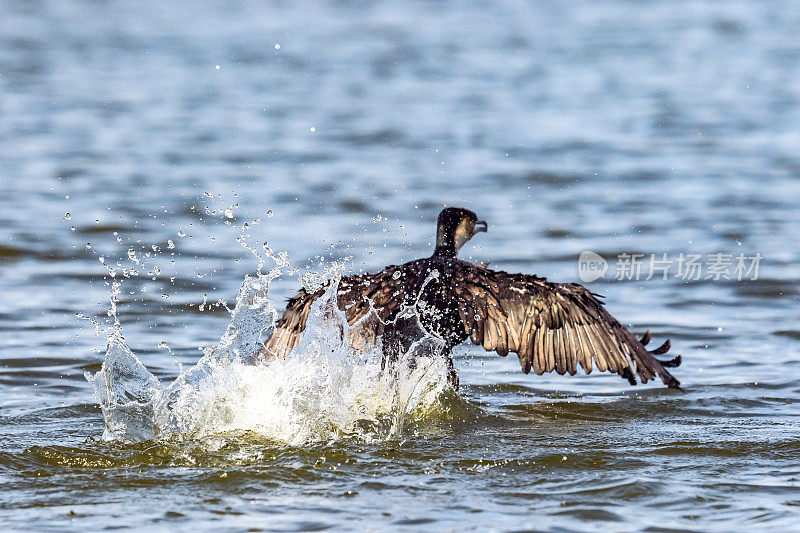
point(324, 390)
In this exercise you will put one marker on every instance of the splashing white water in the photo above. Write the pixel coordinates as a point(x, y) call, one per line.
point(324, 390)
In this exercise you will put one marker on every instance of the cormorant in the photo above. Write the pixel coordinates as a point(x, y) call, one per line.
point(550, 326)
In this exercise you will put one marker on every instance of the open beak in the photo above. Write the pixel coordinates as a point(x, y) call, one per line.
point(481, 226)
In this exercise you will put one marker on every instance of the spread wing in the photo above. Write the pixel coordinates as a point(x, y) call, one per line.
point(553, 326)
point(356, 297)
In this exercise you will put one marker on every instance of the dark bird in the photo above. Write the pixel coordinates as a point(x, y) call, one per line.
point(550, 326)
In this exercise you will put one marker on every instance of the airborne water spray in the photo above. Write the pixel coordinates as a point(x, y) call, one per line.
point(324, 390)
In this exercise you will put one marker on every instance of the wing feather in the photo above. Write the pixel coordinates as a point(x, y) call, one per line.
point(551, 326)
point(357, 296)
point(539, 353)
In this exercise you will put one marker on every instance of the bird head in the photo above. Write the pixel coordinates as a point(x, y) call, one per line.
point(454, 228)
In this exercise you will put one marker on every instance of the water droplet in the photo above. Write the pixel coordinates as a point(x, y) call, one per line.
point(67, 216)
point(170, 244)
point(229, 213)
point(269, 213)
point(396, 275)
point(88, 246)
point(181, 234)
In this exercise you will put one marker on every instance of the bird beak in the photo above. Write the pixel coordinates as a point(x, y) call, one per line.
point(481, 226)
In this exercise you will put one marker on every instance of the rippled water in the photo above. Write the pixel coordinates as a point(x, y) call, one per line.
point(148, 134)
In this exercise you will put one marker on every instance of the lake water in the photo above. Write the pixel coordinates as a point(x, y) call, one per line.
point(149, 133)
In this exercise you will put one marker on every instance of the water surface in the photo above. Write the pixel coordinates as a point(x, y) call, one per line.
point(343, 128)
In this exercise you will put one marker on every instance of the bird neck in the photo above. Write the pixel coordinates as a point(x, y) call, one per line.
point(448, 251)
point(445, 241)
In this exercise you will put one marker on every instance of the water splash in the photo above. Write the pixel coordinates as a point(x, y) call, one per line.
point(326, 389)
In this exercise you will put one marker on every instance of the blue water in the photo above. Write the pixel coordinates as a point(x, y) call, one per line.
point(344, 127)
